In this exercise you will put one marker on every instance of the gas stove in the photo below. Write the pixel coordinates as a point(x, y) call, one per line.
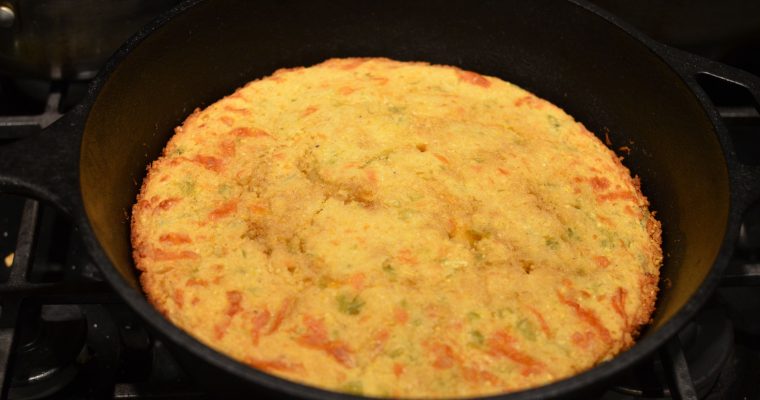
point(65, 335)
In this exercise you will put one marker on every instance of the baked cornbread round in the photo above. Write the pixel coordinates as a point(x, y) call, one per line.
point(397, 229)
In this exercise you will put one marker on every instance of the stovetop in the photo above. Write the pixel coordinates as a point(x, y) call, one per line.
point(65, 335)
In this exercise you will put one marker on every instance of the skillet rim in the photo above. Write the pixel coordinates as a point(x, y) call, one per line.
point(573, 384)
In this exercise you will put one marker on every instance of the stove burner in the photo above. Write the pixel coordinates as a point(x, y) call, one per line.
point(707, 343)
point(62, 331)
point(50, 339)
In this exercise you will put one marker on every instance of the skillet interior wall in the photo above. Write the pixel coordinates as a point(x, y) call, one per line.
point(560, 51)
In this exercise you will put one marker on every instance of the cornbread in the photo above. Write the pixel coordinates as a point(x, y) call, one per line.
point(397, 229)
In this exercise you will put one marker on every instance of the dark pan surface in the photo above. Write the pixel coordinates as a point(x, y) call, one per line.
point(603, 76)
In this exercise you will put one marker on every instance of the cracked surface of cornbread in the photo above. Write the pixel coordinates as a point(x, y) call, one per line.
point(397, 229)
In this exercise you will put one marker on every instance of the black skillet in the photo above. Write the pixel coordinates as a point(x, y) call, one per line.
point(90, 163)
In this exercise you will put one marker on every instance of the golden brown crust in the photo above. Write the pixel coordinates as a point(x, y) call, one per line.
point(648, 286)
point(397, 229)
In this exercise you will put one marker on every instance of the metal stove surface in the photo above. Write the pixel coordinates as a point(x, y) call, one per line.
point(65, 335)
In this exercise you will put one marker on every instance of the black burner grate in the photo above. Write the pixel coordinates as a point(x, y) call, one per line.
point(63, 332)
point(73, 337)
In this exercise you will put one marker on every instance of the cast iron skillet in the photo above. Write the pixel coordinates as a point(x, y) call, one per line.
point(90, 163)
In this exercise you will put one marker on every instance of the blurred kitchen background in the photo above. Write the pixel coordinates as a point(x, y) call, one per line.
point(71, 39)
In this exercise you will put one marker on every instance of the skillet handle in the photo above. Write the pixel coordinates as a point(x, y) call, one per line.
point(746, 179)
point(46, 165)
